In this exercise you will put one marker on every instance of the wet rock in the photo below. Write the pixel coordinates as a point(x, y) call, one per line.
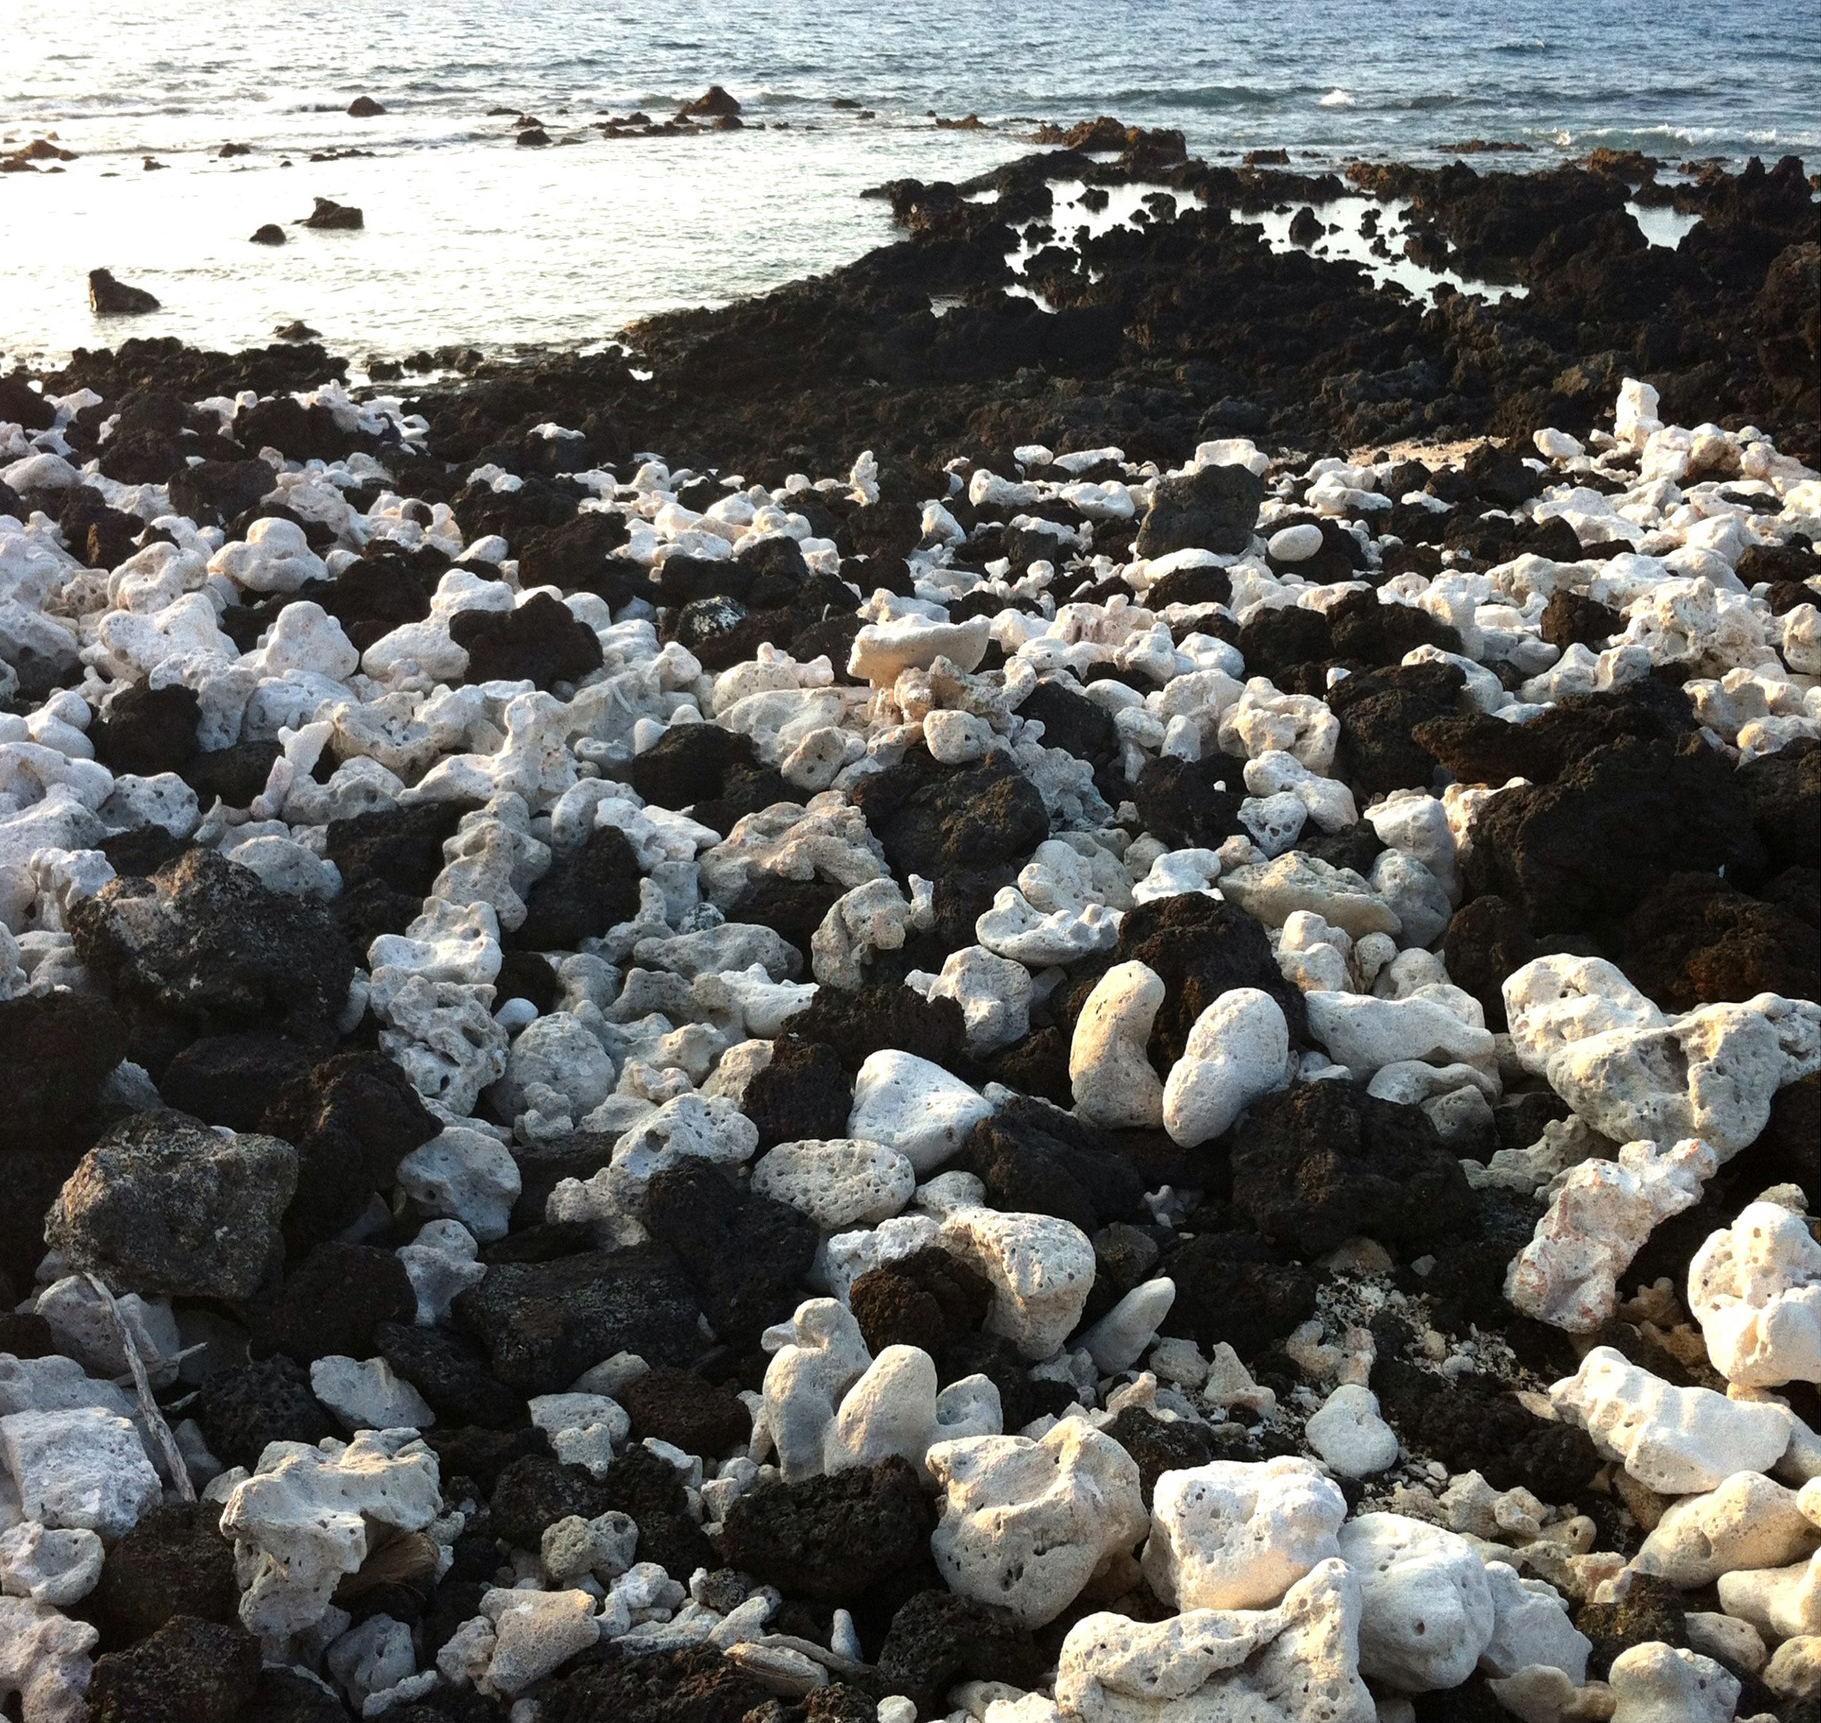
point(331, 1301)
point(162, 1205)
point(189, 1671)
point(830, 1537)
point(543, 1323)
point(364, 108)
point(204, 942)
point(267, 233)
point(175, 1559)
point(1326, 1161)
point(352, 1118)
point(111, 298)
point(1214, 509)
point(330, 214)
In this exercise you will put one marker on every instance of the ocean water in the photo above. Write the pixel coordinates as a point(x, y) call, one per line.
point(470, 238)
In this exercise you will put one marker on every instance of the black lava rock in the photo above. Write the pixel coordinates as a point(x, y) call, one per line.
point(972, 818)
point(1180, 803)
point(864, 1020)
point(1588, 848)
point(451, 1376)
point(830, 1537)
point(331, 1303)
point(353, 1117)
point(1326, 1161)
point(212, 493)
point(1038, 1159)
point(174, 1558)
point(536, 1492)
point(802, 1093)
point(1214, 509)
point(1072, 721)
point(542, 641)
point(689, 764)
point(189, 1671)
point(240, 1411)
point(1202, 947)
point(694, 1686)
point(543, 1323)
point(56, 1051)
point(205, 943)
point(681, 1408)
point(1695, 941)
point(938, 1640)
point(584, 892)
point(1479, 749)
point(232, 1080)
point(745, 1255)
point(651, 1491)
point(1233, 1286)
point(148, 730)
point(929, 1299)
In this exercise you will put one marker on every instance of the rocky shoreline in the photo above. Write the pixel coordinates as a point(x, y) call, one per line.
point(1149, 1055)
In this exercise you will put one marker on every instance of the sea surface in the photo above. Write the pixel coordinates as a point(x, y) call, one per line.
point(472, 239)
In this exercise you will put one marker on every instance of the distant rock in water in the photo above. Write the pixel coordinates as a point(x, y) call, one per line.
point(329, 213)
point(717, 104)
point(296, 331)
point(269, 233)
point(533, 137)
point(364, 108)
point(111, 298)
point(228, 151)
